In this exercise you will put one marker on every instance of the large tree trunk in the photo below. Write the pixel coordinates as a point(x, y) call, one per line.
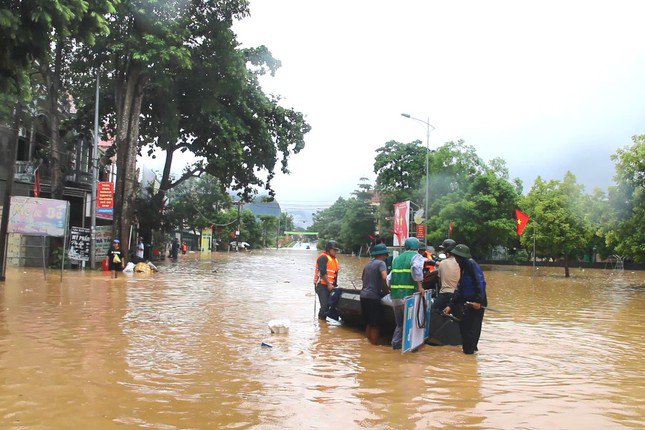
point(10, 152)
point(165, 183)
point(52, 77)
point(129, 96)
point(566, 264)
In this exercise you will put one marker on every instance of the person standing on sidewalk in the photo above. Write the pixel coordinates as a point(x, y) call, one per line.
point(471, 296)
point(326, 276)
point(406, 278)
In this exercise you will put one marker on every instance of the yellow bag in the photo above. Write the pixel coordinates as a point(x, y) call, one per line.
point(116, 259)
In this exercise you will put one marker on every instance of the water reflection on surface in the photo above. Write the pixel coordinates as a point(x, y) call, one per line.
point(181, 349)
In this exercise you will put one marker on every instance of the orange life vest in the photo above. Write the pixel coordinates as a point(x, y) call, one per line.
point(332, 270)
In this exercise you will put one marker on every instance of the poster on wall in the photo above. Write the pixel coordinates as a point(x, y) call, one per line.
point(401, 222)
point(38, 217)
point(79, 244)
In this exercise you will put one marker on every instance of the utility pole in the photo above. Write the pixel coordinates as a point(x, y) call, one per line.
point(11, 171)
point(239, 226)
point(95, 176)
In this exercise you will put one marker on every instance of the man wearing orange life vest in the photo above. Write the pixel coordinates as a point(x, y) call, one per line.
point(326, 276)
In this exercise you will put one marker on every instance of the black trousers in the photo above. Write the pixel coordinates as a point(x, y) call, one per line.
point(441, 301)
point(470, 328)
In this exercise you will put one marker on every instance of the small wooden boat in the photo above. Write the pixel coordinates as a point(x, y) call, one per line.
point(443, 330)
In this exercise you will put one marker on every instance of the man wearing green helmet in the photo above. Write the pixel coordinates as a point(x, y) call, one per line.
point(406, 278)
point(470, 296)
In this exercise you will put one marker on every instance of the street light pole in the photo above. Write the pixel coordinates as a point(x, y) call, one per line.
point(427, 196)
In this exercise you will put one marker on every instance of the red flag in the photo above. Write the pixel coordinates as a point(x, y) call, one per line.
point(37, 184)
point(450, 228)
point(522, 220)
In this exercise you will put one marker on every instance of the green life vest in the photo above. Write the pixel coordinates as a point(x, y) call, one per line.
point(401, 282)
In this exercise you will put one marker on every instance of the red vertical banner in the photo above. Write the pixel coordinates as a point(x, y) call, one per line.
point(105, 200)
point(37, 185)
point(522, 219)
point(401, 223)
point(421, 231)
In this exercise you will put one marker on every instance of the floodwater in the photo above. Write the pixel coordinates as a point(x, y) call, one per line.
point(182, 350)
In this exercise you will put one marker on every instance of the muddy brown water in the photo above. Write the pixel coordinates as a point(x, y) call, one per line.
point(182, 350)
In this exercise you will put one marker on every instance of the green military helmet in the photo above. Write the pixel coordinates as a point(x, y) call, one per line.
point(332, 244)
point(412, 243)
point(461, 250)
point(448, 245)
point(379, 249)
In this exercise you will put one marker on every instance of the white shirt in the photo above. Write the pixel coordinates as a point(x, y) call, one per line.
point(449, 273)
point(140, 249)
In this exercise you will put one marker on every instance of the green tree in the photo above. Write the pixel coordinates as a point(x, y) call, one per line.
point(42, 36)
point(196, 203)
point(286, 222)
point(557, 219)
point(399, 169)
point(328, 222)
point(358, 222)
point(482, 214)
point(627, 198)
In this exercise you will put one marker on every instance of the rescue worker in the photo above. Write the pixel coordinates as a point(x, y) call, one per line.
point(471, 296)
point(326, 277)
point(448, 273)
point(406, 278)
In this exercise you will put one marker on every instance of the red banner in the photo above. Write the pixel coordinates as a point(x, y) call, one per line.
point(105, 195)
point(105, 200)
point(421, 231)
point(401, 222)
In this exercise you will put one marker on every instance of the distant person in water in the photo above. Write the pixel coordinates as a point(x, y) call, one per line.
point(174, 249)
point(374, 288)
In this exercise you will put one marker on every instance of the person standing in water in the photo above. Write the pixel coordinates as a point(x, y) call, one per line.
point(471, 296)
point(374, 287)
point(115, 257)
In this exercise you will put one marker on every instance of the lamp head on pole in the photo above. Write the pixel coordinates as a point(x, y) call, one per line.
point(407, 115)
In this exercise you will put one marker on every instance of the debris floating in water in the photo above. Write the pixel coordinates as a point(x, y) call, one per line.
point(266, 345)
point(279, 326)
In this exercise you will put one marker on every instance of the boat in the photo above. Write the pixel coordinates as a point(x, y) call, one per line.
point(443, 330)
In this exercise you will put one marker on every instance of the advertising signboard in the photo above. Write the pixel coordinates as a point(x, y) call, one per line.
point(401, 222)
point(105, 200)
point(79, 244)
point(38, 217)
point(421, 231)
point(103, 240)
point(416, 321)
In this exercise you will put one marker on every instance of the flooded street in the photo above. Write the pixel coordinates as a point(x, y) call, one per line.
point(182, 350)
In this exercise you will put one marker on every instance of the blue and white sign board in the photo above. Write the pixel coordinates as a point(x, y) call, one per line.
point(428, 313)
point(416, 322)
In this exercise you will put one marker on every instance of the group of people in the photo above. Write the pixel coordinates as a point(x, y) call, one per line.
point(115, 258)
point(461, 287)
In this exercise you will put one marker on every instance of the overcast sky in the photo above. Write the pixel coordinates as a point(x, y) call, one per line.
point(549, 86)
